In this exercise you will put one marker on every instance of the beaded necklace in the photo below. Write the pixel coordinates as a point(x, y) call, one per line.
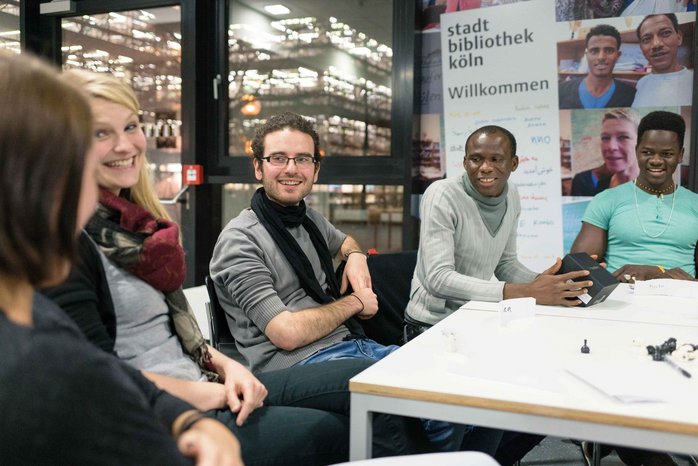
point(661, 194)
point(651, 190)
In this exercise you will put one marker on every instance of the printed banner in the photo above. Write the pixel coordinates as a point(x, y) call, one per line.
point(500, 70)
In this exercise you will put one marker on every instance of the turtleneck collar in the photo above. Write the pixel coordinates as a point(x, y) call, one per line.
point(492, 209)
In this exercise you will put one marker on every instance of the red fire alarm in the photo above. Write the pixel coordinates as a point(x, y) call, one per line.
point(192, 174)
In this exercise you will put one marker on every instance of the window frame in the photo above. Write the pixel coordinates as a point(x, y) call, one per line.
point(205, 132)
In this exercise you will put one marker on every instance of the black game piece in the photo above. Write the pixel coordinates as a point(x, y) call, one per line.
point(585, 349)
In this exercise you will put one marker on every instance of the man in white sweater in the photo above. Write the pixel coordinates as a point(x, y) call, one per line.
point(468, 234)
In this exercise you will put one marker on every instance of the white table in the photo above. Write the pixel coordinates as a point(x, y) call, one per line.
point(517, 378)
point(622, 305)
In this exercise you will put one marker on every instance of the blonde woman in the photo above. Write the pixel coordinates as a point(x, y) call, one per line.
point(618, 139)
point(126, 296)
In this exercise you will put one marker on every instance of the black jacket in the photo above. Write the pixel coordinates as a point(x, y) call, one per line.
point(63, 401)
point(86, 298)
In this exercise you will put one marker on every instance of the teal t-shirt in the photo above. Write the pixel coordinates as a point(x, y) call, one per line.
point(615, 211)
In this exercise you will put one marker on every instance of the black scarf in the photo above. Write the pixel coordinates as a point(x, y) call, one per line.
point(276, 219)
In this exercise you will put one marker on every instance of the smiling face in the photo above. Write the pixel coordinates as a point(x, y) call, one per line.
point(658, 154)
point(489, 162)
point(287, 185)
point(618, 139)
point(660, 43)
point(602, 54)
point(119, 144)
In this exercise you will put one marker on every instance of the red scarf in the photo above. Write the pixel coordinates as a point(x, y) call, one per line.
point(137, 241)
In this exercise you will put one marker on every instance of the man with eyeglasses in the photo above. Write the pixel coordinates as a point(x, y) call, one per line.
point(274, 276)
point(272, 265)
point(598, 89)
point(669, 82)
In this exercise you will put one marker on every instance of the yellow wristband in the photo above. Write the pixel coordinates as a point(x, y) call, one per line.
point(661, 268)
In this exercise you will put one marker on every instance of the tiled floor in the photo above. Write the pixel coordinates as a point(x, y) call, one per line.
point(554, 451)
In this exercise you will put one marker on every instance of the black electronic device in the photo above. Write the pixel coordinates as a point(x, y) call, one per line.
point(604, 282)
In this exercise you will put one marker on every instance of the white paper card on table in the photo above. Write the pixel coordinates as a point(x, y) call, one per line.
point(520, 371)
point(516, 308)
point(667, 287)
point(636, 382)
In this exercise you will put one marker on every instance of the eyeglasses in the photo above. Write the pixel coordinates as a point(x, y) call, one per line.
point(282, 160)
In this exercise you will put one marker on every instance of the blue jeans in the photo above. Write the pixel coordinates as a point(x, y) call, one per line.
point(444, 436)
point(351, 349)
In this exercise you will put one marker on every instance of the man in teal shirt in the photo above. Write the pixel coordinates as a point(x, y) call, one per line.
point(649, 228)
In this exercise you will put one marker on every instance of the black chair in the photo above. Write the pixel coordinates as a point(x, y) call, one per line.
point(391, 278)
point(221, 338)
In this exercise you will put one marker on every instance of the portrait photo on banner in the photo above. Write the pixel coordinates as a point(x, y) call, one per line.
point(611, 72)
point(568, 10)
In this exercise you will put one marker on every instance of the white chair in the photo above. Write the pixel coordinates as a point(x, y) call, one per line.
point(211, 319)
point(198, 299)
point(458, 458)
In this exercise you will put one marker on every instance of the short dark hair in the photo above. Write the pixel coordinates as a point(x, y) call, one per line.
point(45, 133)
point(282, 121)
point(671, 16)
point(603, 30)
point(662, 121)
point(491, 129)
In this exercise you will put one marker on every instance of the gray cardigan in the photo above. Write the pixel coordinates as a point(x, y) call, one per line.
point(255, 282)
point(457, 254)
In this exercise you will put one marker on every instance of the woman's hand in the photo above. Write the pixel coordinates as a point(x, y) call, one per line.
point(210, 395)
point(210, 443)
point(204, 396)
point(243, 392)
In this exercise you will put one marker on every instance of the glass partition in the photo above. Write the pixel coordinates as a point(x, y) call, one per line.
point(325, 60)
point(9, 26)
point(372, 214)
point(142, 47)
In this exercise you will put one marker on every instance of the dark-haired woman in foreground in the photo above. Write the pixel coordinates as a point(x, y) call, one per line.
point(62, 400)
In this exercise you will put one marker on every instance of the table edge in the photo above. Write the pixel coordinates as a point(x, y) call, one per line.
point(523, 408)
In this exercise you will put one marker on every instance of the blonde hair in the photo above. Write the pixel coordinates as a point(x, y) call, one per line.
point(107, 87)
point(622, 114)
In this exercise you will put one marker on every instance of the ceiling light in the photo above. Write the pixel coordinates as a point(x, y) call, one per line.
point(146, 14)
point(277, 9)
point(117, 17)
point(363, 51)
